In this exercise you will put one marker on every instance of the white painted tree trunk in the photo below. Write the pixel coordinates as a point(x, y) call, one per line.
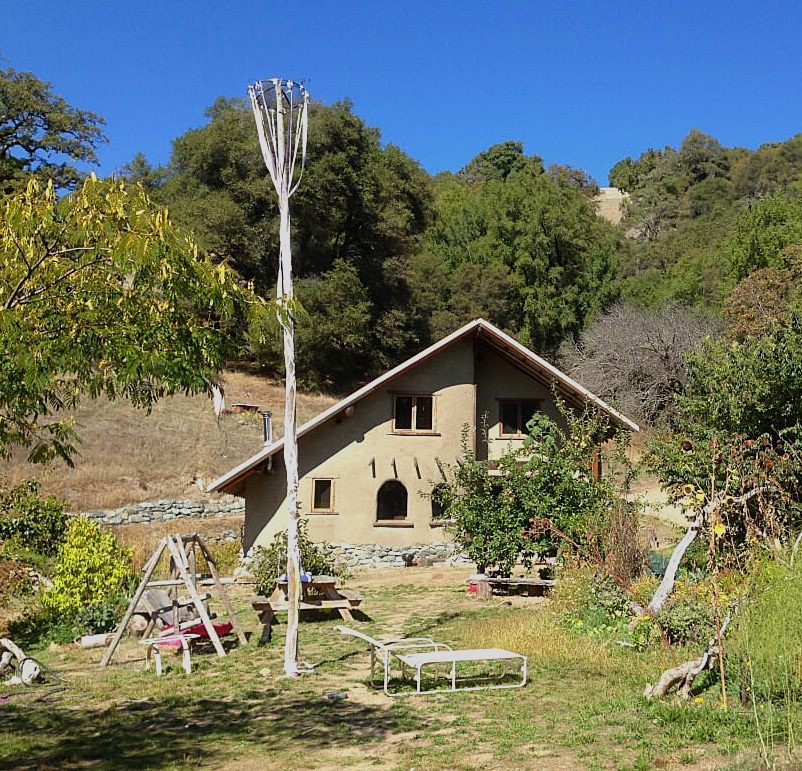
point(287, 322)
point(663, 591)
point(280, 150)
point(667, 584)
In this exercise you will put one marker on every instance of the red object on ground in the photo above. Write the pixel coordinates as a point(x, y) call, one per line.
point(472, 588)
point(200, 630)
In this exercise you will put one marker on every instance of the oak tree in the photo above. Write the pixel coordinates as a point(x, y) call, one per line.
point(42, 135)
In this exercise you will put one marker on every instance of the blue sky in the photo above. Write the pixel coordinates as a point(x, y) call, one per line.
point(580, 83)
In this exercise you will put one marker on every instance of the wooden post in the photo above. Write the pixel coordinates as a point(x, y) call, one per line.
point(280, 150)
point(149, 568)
point(193, 565)
point(207, 622)
point(223, 596)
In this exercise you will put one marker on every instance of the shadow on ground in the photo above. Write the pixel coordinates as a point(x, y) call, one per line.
point(153, 733)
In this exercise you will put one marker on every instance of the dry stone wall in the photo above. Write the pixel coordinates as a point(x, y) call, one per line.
point(352, 556)
point(360, 557)
point(163, 511)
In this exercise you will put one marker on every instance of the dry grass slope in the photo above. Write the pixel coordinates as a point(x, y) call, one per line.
point(128, 456)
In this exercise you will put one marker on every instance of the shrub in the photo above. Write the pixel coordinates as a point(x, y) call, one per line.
point(548, 485)
point(489, 515)
point(99, 617)
point(35, 523)
point(226, 557)
point(764, 653)
point(271, 561)
point(91, 569)
point(686, 618)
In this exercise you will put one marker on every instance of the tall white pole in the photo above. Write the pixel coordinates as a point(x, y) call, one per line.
point(280, 144)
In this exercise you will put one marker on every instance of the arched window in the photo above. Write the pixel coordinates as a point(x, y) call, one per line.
point(391, 501)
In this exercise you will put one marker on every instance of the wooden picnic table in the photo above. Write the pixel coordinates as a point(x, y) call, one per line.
point(486, 585)
point(319, 593)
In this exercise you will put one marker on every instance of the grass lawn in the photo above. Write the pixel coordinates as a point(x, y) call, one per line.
point(582, 707)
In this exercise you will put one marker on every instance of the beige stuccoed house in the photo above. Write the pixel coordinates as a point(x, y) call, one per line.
point(365, 462)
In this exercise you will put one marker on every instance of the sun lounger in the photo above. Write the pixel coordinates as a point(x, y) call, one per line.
point(415, 653)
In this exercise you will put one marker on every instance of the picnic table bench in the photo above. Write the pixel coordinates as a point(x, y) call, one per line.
point(319, 593)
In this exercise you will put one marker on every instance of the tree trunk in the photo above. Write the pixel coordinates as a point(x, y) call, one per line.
point(290, 455)
point(29, 670)
point(667, 584)
point(686, 673)
point(279, 152)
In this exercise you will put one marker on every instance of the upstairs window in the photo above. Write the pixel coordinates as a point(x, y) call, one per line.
point(413, 413)
point(514, 414)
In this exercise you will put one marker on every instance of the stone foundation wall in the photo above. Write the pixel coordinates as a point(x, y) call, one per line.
point(355, 558)
point(351, 556)
point(362, 556)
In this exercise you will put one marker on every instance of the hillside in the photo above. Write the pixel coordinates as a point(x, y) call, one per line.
point(608, 204)
point(128, 456)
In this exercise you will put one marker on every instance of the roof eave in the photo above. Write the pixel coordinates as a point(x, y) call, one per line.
point(232, 481)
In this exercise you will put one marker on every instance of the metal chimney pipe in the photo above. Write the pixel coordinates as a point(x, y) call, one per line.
point(266, 415)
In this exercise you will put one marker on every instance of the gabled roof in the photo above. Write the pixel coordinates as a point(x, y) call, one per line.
point(536, 367)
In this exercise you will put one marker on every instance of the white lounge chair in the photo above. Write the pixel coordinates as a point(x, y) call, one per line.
point(417, 652)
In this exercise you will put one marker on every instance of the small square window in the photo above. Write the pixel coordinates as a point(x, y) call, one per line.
point(322, 495)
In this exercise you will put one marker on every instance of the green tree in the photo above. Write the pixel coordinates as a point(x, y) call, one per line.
point(549, 479)
point(628, 174)
point(704, 216)
point(702, 156)
point(744, 395)
point(30, 521)
point(361, 204)
point(762, 233)
point(750, 388)
point(41, 135)
point(773, 167)
point(102, 294)
point(561, 259)
point(140, 172)
point(333, 334)
point(497, 162)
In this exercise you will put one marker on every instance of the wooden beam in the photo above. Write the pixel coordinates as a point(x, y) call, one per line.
point(223, 596)
point(207, 622)
point(150, 566)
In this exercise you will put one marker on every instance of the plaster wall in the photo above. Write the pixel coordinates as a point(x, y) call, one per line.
point(360, 453)
point(496, 380)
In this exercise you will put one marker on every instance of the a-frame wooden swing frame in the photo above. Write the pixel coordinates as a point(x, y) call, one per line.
point(181, 550)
